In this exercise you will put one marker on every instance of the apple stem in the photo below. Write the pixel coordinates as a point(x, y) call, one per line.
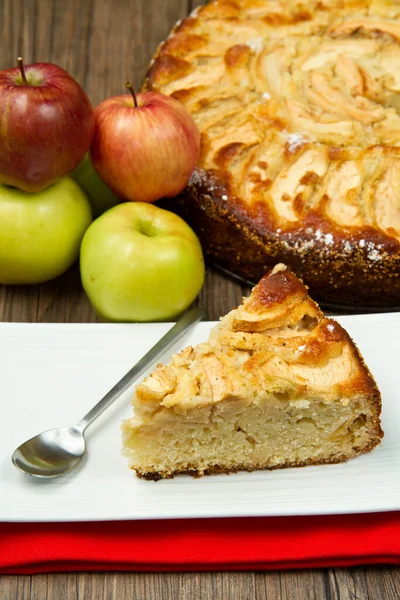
point(132, 91)
point(22, 69)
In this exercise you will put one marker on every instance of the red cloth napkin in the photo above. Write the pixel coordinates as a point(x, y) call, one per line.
point(202, 544)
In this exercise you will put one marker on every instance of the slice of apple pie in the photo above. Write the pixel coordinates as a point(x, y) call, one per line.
point(276, 385)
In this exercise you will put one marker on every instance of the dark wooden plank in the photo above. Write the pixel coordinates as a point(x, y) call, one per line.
point(124, 38)
point(384, 579)
point(58, 585)
point(13, 587)
point(370, 583)
point(99, 586)
point(350, 584)
point(236, 585)
point(207, 586)
point(148, 585)
point(365, 583)
point(268, 585)
point(302, 585)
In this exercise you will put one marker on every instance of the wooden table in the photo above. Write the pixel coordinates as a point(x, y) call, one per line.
point(102, 43)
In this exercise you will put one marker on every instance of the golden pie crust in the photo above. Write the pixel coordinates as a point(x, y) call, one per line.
point(298, 105)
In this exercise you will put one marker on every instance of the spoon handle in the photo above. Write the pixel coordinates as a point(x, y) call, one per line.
point(184, 323)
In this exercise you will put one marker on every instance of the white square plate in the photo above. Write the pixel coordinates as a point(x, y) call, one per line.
point(52, 374)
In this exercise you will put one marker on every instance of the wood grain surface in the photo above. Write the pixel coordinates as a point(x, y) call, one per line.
point(102, 43)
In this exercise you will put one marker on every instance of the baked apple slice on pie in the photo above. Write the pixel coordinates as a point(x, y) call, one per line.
point(276, 385)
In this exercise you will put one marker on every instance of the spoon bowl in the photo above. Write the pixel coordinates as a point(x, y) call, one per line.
point(52, 453)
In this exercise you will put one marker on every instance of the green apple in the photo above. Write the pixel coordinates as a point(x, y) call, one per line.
point(40, 234)
point(100, 195)
point(140, 263)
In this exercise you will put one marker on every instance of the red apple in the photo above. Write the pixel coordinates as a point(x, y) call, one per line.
point(145, 147)
point(46, 125)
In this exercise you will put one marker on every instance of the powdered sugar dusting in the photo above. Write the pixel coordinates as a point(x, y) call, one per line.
point(347, 248)
point(325, 238)
point(326, 243)
point(330, 327)
point(374, 255)
point(300, 245)
point(207, 184)
point(201, 179)
point(374, 250)
point(295, 141)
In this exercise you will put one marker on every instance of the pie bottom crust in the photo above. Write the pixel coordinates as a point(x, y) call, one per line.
point(230, 242)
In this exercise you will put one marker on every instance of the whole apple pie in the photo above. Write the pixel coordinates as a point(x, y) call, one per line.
point(298, 104)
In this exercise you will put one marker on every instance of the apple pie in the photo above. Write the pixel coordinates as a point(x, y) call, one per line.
point(276, 385)
point(298, 104)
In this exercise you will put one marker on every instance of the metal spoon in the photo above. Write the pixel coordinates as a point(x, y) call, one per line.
point(57, 451)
